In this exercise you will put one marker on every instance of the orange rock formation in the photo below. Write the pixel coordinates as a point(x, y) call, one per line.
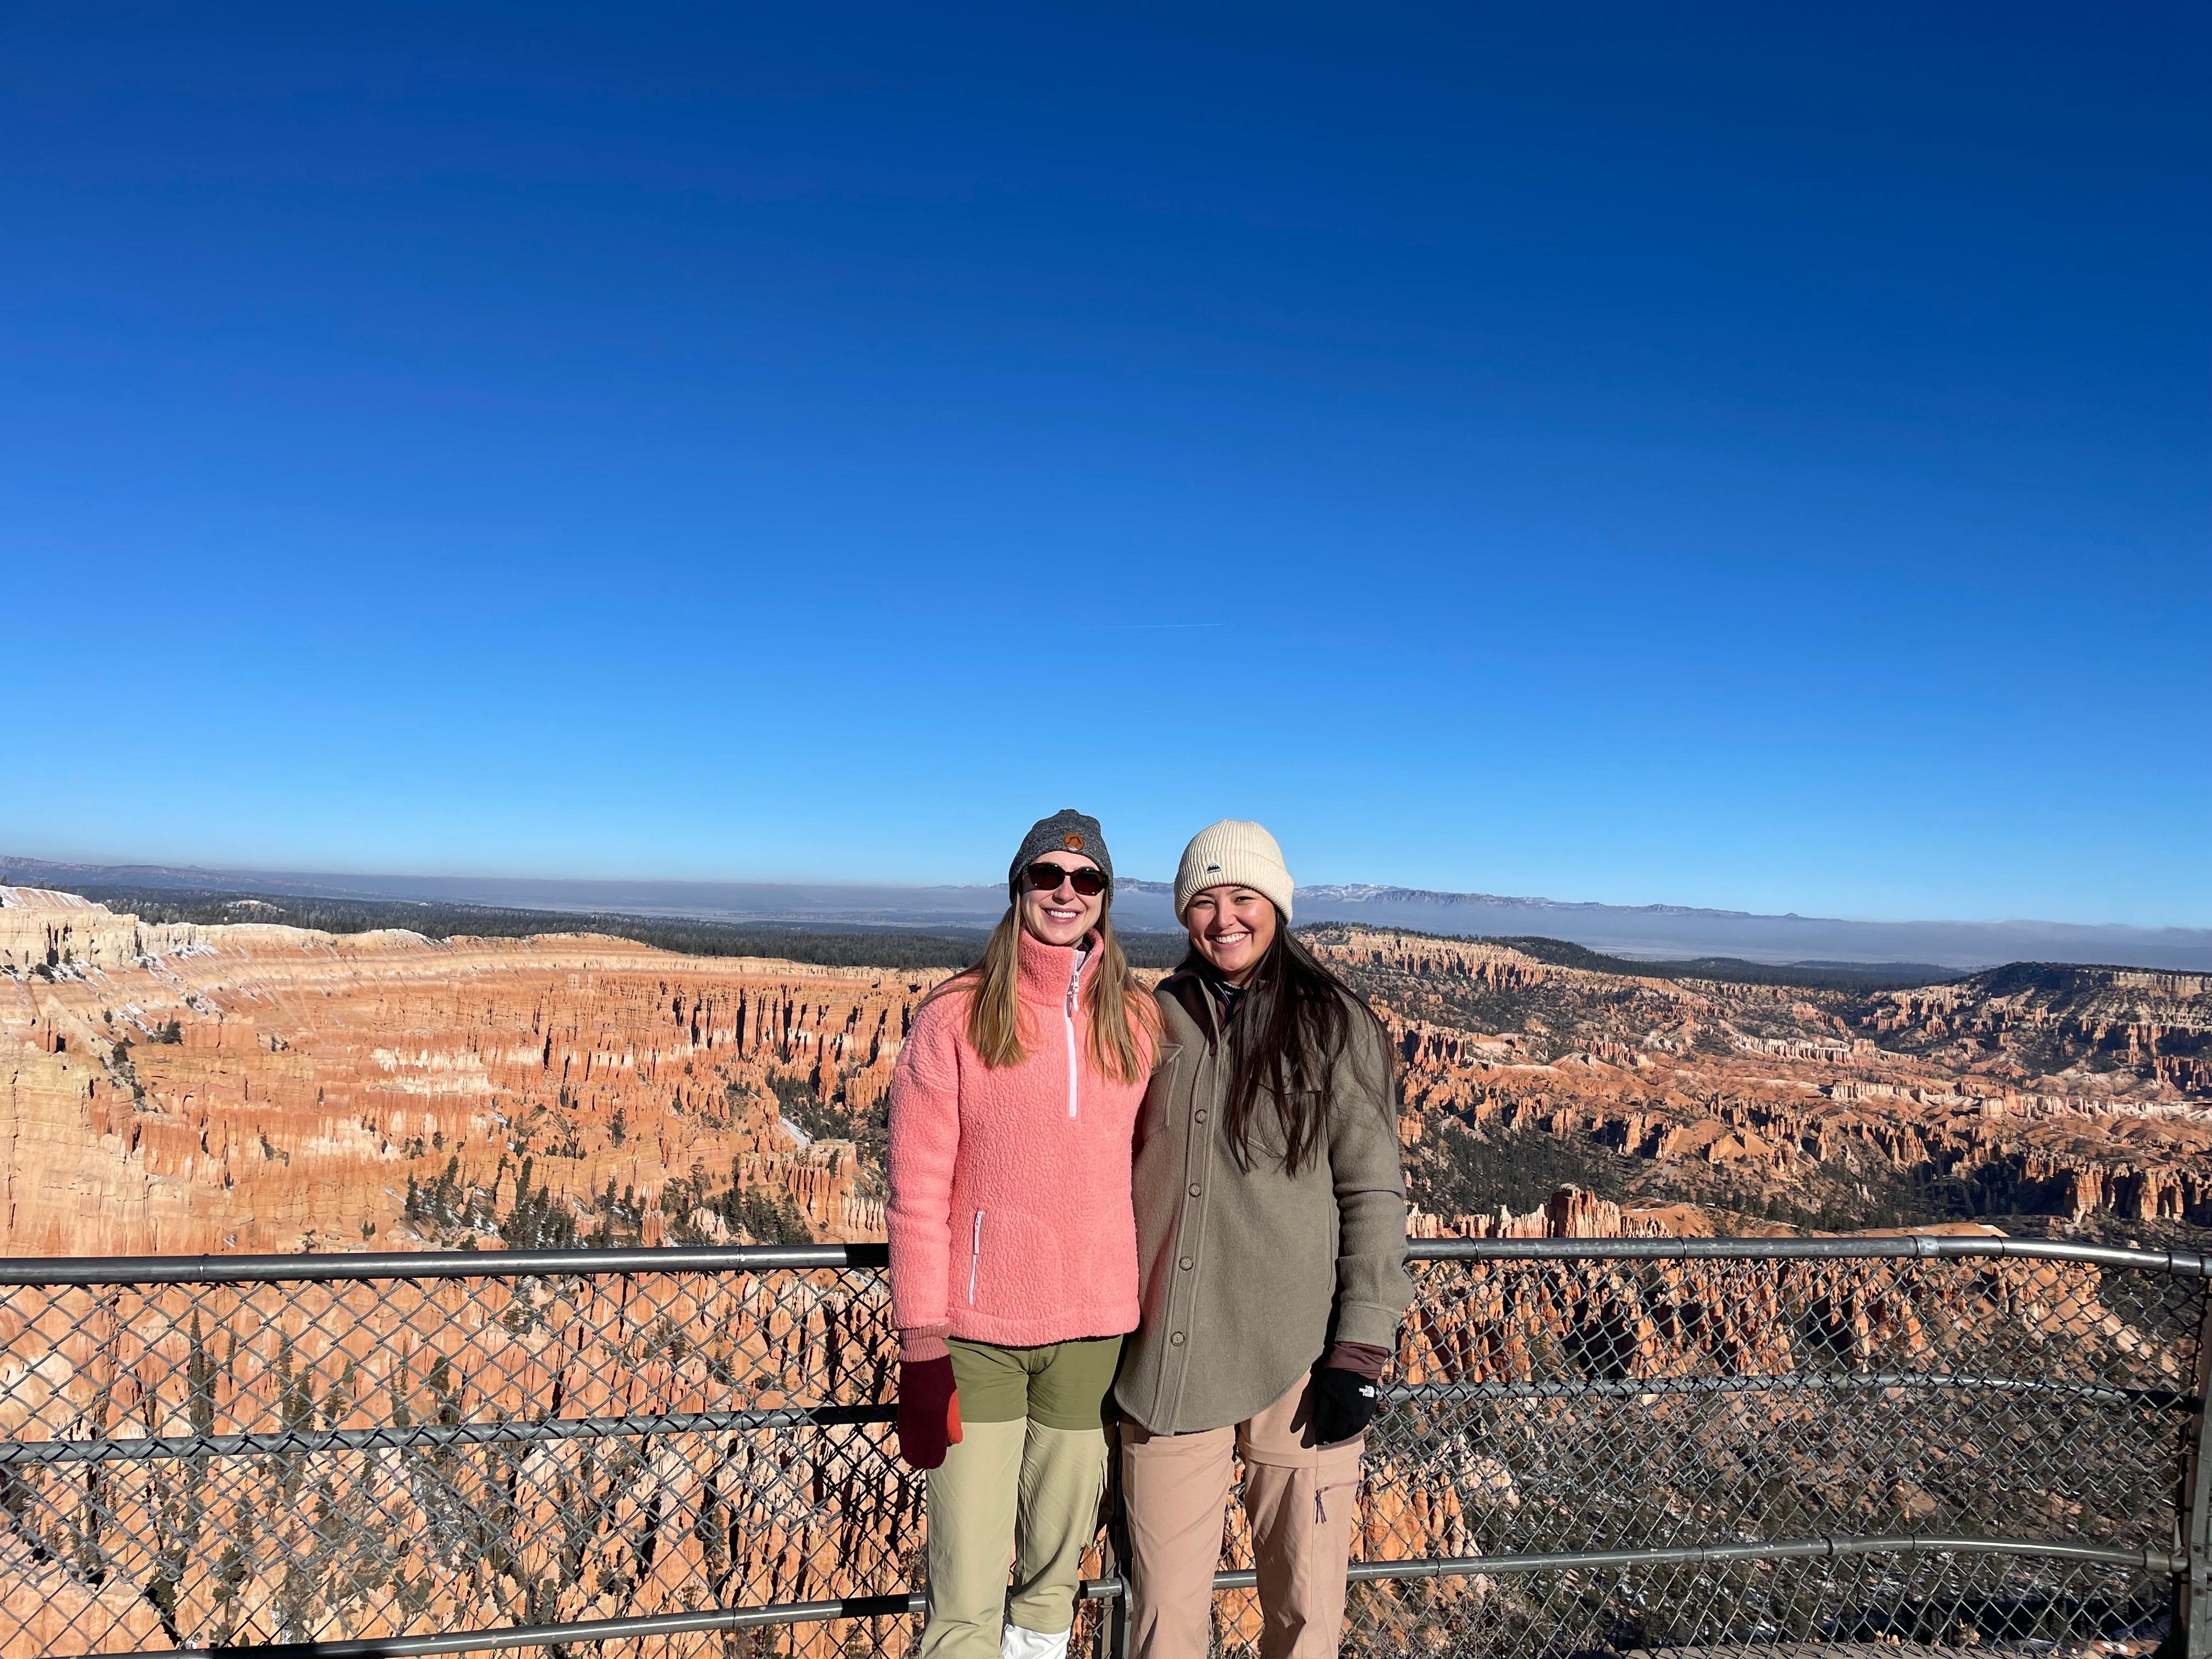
point(1807, 1095)
point(182, 1088)
point(239, 1088)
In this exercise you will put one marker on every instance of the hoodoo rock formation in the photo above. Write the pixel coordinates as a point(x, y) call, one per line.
point(185, 1089)
point(2075, 1092)
point(178, 1088)
point(181, 1089)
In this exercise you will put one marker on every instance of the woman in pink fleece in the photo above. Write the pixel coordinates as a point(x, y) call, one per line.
point(1013, 1246)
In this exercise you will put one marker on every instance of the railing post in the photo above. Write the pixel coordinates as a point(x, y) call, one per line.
point(1114, 1642)
point(2193, 1617)
point(1117, 1620)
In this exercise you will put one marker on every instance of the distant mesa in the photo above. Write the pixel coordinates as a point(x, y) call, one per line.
point(1646, 931)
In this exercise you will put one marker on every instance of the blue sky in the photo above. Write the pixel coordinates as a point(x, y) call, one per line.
point(1753, 456)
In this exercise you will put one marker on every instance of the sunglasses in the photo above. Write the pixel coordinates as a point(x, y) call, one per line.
point(1044, 877)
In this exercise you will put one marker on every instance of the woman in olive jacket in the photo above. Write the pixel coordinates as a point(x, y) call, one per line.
point(1271, 1242)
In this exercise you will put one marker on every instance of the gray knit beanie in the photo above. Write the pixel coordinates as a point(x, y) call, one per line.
point(1065, 831)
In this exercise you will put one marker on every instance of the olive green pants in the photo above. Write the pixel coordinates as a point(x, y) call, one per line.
point(1023, 1484)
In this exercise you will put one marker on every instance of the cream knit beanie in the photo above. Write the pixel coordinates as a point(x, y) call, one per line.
point(1233, 853)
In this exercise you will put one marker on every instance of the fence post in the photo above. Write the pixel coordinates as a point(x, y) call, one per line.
point(1117, 1620)
point(2193, 1618)
point(1114, 1643)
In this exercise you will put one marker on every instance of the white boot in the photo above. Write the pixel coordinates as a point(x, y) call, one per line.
point(1015, 1643)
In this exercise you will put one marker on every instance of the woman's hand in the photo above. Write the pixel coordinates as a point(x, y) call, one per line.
point(1344, 1404)
point(928, 1410)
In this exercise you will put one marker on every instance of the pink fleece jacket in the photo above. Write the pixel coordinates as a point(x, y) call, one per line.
point(1010, 1215)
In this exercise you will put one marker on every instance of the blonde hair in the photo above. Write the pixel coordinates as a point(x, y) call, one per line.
point(1122, 1027)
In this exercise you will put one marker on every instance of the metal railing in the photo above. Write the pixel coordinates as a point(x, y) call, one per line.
point(1593, 1445)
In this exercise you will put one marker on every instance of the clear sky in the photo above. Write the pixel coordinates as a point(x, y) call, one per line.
point(1753, 456)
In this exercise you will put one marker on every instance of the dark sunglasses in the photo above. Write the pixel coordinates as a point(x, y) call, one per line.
point(1044, 877)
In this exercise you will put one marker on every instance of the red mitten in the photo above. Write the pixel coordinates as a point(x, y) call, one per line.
point(928, 1410)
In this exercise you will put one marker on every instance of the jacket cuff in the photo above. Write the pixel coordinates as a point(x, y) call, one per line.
point(1358, 1359)
point(918, 1343)
point(1369, 1324)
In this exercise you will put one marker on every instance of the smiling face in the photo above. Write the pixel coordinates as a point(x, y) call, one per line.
point(1231, 927)
point(1064, 915)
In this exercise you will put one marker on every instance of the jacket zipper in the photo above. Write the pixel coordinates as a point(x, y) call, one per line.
point(974, 1257)
point(1067, 1020)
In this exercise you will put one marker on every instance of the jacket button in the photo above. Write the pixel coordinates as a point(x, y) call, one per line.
point(1195, 1189)
point(1186, 1264)
point(1174, 1340)
point(1199, 1115)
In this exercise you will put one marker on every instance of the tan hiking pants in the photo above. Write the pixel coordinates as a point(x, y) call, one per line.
point(1300, 1498)
point(1024, 1483)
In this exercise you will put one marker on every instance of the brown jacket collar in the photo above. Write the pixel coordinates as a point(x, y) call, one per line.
point(1188, 986)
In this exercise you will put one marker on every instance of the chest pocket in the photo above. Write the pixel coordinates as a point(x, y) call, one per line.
point(1159, 1093)
point(1270, 1146)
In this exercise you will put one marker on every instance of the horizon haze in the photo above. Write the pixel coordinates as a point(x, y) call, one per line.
point(1647, 932)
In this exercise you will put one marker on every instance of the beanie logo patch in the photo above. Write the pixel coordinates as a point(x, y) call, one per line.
point(1073, 842)
point(1213, 869)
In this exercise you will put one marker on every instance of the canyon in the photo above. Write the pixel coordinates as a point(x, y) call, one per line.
point(176, 1088)
point(2054, 1098)
point(179, 1088)
point(172, 1089)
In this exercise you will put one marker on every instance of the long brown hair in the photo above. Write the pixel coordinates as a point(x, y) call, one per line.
point(1123, 1024)
point(1297, 1020)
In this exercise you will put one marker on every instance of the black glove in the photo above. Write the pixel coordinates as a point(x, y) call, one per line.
point(1344, 1403)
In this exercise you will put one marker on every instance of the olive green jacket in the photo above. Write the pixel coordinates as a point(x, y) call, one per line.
point(1247, 1276)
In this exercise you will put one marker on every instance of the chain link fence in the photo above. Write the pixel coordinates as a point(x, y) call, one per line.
point(1593, 1447)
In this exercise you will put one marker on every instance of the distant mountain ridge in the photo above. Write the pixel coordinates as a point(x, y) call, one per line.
point(1368, 892)
point(1364, 892)
point(1646, 931)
